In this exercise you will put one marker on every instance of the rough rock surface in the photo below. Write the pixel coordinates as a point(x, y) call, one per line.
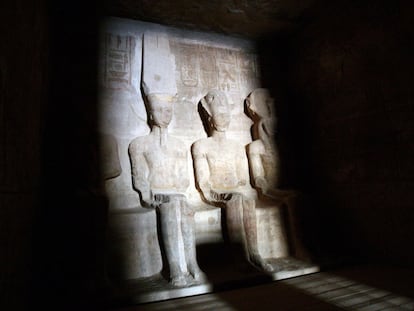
point(243, 17)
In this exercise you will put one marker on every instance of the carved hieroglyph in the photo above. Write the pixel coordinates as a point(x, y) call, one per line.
point(201, 68)
point(221, 170)
point(160, 166)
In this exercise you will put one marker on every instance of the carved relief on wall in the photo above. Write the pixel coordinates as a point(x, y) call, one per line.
point(208, 67)
point(118, 56)
point(249, 71)
point(227, 71)
point(121, 112)
point(205, 67)
point(141, 87)
point(189, 71)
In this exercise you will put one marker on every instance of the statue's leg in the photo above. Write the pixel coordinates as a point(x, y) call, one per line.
point(234, 229)
point(169, 218)
point(187, 229)
point(250, 228)
point(234, 220)
point(294, 201)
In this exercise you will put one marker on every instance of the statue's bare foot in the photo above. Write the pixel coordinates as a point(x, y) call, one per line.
point(199, 276)
point(179, 280)
point(258, 261)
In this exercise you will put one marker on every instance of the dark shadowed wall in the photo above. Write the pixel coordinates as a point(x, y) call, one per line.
point(23, 57)
point(347, 118)
point(51, 210)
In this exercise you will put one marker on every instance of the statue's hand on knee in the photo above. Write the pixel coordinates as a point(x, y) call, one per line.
point(262, 184)
point(161, 198)
point(220, 197)
point(147, 200)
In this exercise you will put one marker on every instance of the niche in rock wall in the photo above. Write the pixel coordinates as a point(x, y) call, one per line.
point(190, 160)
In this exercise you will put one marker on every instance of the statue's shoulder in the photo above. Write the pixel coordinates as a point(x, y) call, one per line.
point(139, 143)
point(201, 145)
point(256, 146)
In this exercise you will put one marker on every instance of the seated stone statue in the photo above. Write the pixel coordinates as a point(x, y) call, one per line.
point(222, 176)
point(160, 175)
point(262, 152)
point(265, 165)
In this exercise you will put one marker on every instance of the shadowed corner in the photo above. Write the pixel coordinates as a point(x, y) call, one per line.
point(70, 220)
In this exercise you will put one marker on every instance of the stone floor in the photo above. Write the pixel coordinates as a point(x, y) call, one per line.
point(218, 278)
point(373, 287)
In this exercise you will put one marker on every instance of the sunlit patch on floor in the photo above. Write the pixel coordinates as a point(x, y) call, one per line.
point(349, 294)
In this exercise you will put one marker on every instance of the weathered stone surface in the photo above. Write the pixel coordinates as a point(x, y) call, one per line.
point(263, 152)
point(202, 61)
point(208, 226)
point(271, 231)
point(351, 75)
point(246, 17)
point(111, 167)
point(133, 247)
point(222, 176)
point(158, 65)
point(160, 126)
point(160, 174)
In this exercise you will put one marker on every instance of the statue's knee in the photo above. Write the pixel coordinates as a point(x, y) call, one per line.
point(249, 204)
point(166, 209)
point(187, 210)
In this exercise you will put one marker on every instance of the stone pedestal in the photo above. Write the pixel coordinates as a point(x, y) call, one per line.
point(133, 248)
point(271, 232)
point(208, 226)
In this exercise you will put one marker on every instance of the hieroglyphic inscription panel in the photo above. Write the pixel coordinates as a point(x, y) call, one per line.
point(227, 70)
point(208, 67)
point(202, 68)
point(249, 70)
point(118, 58)
point(189, 71)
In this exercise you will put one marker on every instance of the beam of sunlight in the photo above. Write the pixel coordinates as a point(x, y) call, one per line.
point(195, 303)
point(349, 294)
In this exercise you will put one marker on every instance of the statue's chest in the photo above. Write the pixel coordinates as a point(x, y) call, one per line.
point(222, 157)
point(163, 155)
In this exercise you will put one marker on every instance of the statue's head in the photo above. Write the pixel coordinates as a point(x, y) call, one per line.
point(260, 106)
point(215, 103)
point(260, 103)
point(160, 108)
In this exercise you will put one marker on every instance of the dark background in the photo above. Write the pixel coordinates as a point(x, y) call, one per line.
point(346, 126)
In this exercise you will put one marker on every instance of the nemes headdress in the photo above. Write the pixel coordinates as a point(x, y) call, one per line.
point(213, 98)
point(258, 102)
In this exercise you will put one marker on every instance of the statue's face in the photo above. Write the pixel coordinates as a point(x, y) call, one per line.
point(221, 121)
point(220, 111)
point(262, 104)
point(161, 112)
